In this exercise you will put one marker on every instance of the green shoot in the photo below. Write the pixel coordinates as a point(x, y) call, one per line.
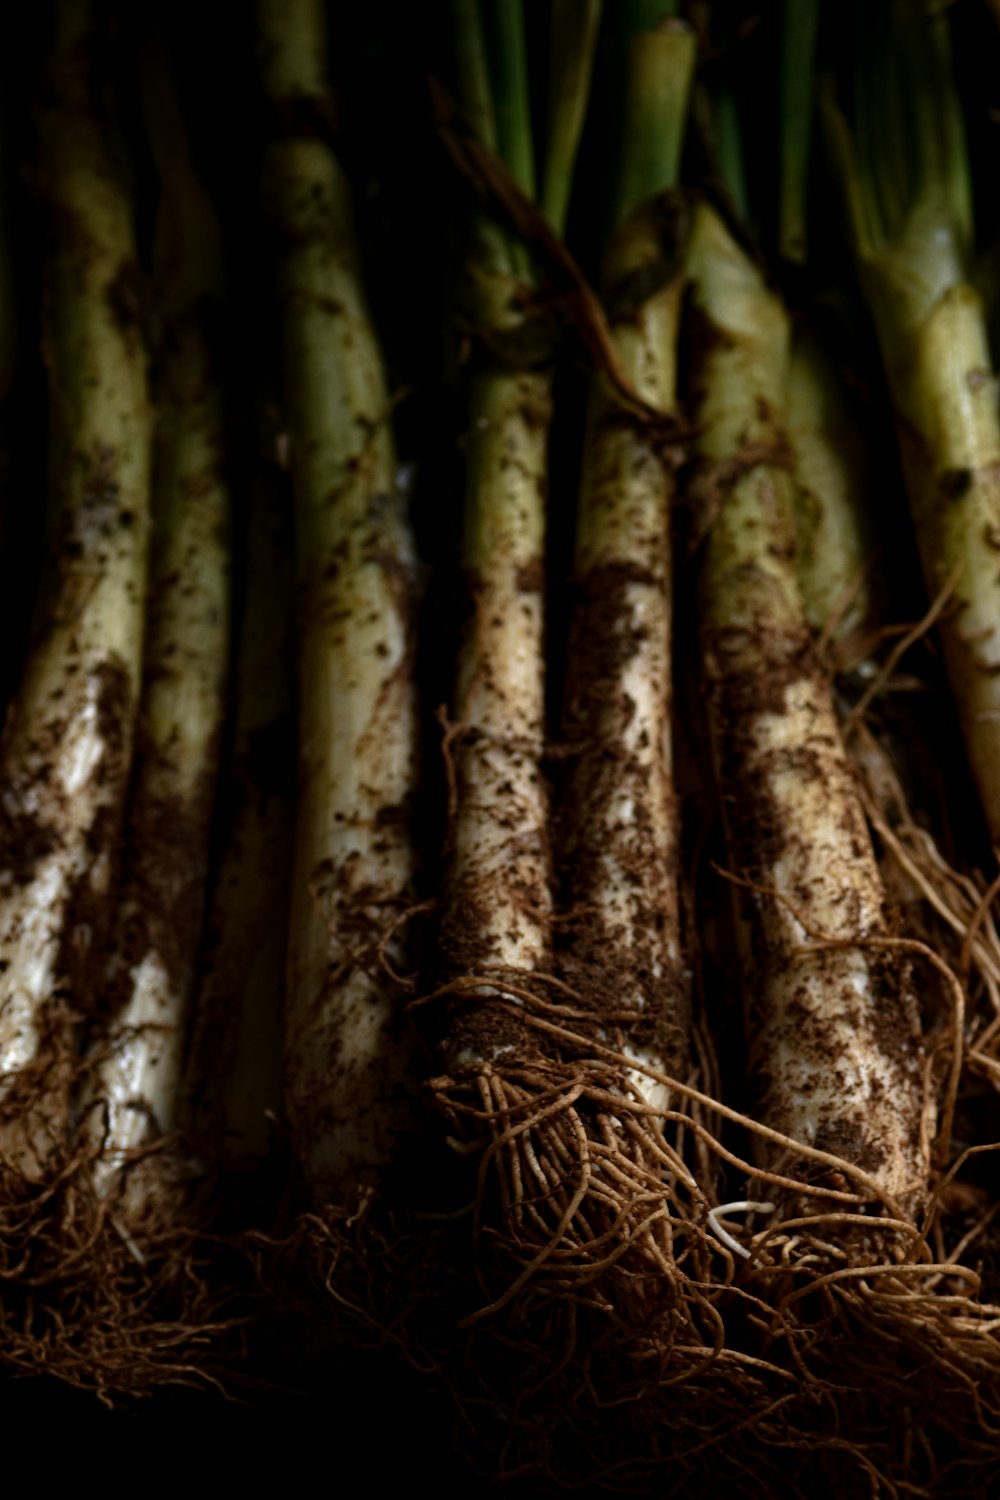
point(660, 66)
point(575, 24)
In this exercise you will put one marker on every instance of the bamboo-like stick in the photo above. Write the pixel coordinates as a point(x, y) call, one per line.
point(346, 1062)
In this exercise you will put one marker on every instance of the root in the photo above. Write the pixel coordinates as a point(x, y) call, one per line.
point(99, 1301)
point(608, 1324)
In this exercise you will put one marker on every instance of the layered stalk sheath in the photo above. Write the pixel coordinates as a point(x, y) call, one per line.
point(66, 749)
point(160, 906)
point(833, 1032)
point(346, 1061)
point(619, 822)
point(906, 186)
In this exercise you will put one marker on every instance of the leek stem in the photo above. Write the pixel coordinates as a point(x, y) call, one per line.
point(347, 1064)
point(66, 748)
point(846, 1078)
point(620, 833)
point(906, 184)
point(152, 971)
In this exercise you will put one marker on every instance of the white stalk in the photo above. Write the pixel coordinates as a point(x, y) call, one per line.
point(497, 898)
point(160, 905)
point(620, 841)
point(133, 1093)
point(346, 1065)
point(834, 1033)
point(949, 434)
point(66, 748)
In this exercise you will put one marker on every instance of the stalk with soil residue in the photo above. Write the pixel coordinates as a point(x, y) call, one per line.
point(348, 1062)
point(133, 1094)
point(619, 834)
point(834, 1031)
point(905, 179)
point(497, 897)
point(66, 749)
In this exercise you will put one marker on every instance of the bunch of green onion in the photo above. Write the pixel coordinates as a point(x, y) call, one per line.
point(211, 859)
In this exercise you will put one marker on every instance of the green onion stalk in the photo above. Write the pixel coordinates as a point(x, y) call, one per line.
point(832, 1019)
point(618, 850)
point(498, 902)
point(843, 1107)
point(66, 750)
point(233, 1073)
point(76, 1298)
point(619, 818)
point(348, 1062)
point(904, 172)
point(495, 953)
point(844, 598)
point(905, 178)
point(840, 572)
point(845, 606)
point(133, 1095)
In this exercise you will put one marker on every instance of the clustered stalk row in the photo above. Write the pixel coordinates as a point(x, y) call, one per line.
point(225, 948)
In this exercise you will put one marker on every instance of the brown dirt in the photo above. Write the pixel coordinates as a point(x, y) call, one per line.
point(85, 1302)
point(610, 1349)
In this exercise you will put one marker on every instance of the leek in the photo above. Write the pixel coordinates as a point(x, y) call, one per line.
point(347, 1084)
point(65, 755)
point(833, 1031)
point(160, 903)
point(905, 179)
point(619, 818)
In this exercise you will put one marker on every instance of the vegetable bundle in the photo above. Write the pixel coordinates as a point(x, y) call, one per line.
point(631, 1020)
